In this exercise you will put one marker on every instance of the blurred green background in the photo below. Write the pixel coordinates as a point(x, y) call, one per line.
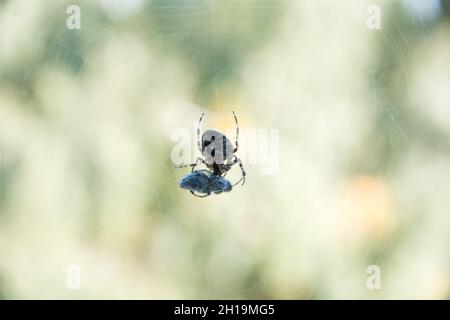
point(86, 178)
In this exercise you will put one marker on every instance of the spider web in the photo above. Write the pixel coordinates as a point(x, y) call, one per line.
point(86, 176)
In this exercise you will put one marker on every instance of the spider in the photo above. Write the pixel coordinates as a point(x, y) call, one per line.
point(218, 157)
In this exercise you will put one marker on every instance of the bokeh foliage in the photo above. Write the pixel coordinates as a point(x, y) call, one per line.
point(86, 177)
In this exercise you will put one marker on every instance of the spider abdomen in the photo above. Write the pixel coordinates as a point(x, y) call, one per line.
point(216, 147)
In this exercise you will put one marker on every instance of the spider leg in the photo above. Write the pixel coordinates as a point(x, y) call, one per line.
point(199, 144)
point(204, 196)
point(243, 172)
point(198, 161)
point(237, 133)
point(238, 161)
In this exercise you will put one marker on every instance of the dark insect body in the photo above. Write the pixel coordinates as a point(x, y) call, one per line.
point(205, 182)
